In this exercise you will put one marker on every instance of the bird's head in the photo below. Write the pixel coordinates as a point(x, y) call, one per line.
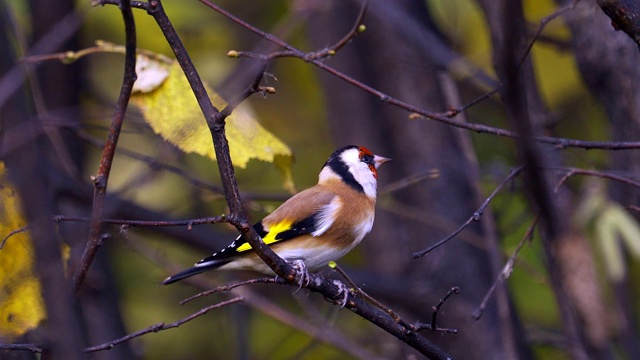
point(354, 165)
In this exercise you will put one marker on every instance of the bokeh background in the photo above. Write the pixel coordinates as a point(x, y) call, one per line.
point(580, 80)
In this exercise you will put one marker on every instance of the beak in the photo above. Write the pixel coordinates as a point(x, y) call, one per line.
point(379, 160)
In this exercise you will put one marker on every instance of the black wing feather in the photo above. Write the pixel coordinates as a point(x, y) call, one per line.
point(302, 227)
point(225, 256)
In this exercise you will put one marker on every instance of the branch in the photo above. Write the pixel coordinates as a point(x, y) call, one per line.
point(370, 298)
point(12, 80)
point(543, 23)
point(34, 348)
point(226, 288)
point(506, 270)
point(162, 326)
point(216, 122)
point(625, 16)
point(409, 181)
point(189, 223)
point(433, 326)
point(475, 217)
point(575, 171)
point(12, 233)
point(561, 143)
point(101, 179)
point(445, 118)
point(190, 178)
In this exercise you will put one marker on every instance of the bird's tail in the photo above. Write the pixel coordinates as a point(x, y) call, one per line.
point(200, 267)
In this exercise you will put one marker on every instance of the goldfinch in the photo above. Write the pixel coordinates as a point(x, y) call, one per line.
point(315, 226)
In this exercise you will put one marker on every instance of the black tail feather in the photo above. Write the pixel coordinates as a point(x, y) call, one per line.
point(195, 270)
point(183, 275)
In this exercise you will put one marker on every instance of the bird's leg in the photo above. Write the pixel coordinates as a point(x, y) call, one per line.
point(344, 292)
point(302, 275)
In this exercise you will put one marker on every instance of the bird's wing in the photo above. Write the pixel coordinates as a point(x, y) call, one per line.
point(312, 212)
point(308, 212)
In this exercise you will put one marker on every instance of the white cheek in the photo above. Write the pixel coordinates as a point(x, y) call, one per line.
point(361, 172)
point(364, 176)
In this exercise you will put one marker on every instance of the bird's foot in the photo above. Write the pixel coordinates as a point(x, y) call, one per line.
point(344, 292)
point(302, 275)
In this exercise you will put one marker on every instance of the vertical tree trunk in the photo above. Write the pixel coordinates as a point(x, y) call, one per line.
point(608, 62)
point(46, 117)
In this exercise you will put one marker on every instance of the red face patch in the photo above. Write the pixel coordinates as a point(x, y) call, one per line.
point(364, 151)
point(367, 157)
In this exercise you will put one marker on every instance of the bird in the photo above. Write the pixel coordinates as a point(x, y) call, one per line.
point(315, 226)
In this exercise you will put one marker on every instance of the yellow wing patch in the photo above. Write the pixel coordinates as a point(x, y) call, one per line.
point(270, 238)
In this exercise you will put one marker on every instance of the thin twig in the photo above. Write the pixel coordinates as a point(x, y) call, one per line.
point(226, 288)
point(144, 5)
point(506, 270)
point(396, 318)
point(12, 80)
point(433, 326)
point(543, 23)
point(475, 217)
point(253, 88)
point(575, 171)
point(436, 309)
point(320, 330)
point(465, 107)
point(12, 233)
point(355, 31)
point(634, 208)
point(162, 326)
point(189, 223)
point(34, 348)
point(155, 163)
point(410, 180)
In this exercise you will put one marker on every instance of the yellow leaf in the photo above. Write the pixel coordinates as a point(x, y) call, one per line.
point(21, 305)
point(172, 111)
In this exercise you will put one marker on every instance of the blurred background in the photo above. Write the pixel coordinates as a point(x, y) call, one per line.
point(573, 292)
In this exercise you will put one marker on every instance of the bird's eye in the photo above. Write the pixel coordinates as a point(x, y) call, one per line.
point(367, 159)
